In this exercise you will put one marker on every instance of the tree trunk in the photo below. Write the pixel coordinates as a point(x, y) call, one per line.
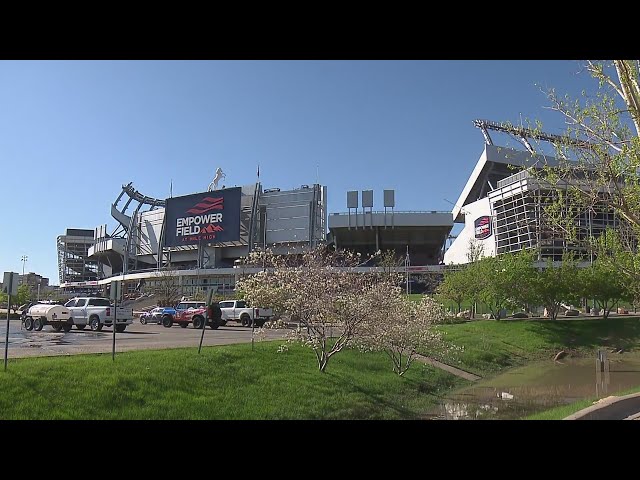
point(323, 359)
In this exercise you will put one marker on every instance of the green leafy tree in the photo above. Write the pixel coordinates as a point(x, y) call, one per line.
point(522, 274)
point(604, 285)
point(24, 296)
point(475, 284)
point(612, 250)
point(505, 281)
point(455, 287)
point(492, 281)
point(611, 277)
point(557, 284)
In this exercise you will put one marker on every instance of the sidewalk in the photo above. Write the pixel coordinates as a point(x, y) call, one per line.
point(448, 368)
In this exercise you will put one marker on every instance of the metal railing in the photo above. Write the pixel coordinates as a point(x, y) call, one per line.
point(516, 177)
point(382, 212)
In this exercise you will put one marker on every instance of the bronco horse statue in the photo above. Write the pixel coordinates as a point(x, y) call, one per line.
point(214, 184)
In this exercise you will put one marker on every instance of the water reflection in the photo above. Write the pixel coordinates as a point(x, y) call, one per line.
point(538, 387)
point(464, 411)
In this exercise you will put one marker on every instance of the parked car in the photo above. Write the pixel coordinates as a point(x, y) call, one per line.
point(152, 316)
point(98, 312)
point(237, 310)
point(186, 312)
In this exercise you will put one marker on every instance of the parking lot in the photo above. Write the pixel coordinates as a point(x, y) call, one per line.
point(24, 343)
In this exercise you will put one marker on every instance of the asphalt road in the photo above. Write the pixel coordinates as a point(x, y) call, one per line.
point(47, 342)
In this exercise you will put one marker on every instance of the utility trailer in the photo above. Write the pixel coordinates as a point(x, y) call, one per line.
point(39, 315)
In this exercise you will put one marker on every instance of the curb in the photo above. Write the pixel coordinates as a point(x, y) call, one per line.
point(603, 403)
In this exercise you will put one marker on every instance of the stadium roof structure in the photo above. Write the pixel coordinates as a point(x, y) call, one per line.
point(424, 232)
point(495, 164)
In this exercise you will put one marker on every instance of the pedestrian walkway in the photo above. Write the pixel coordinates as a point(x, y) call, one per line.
point(448, 368)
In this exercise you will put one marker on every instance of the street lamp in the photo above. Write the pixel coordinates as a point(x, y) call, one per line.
point(38, 299)
point(23, 259)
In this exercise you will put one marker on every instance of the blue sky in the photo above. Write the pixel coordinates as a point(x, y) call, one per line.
point(73, 132)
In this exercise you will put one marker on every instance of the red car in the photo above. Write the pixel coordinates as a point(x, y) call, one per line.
point(185, 317)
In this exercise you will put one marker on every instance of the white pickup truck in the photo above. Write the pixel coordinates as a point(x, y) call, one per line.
point(238, 311)
point(97, 312)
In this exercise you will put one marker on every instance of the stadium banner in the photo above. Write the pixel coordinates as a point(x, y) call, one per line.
point(210, 217)
point(482, 227)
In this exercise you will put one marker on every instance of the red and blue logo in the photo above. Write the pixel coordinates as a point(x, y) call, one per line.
point(482, 228)
point(207, 204)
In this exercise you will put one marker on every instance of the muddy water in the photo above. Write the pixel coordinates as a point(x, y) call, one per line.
point(538, 387)
point(46, 338)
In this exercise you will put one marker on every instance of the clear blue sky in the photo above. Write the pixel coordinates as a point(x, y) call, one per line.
point(73, 132)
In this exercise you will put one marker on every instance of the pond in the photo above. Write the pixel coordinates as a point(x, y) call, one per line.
point(540, 386)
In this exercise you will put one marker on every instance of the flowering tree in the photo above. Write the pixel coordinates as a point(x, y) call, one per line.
point(402, 328)
point(320, 289)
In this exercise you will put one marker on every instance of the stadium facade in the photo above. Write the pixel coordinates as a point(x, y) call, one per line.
point(503, 209)
point(200, 237)
point(74, 265)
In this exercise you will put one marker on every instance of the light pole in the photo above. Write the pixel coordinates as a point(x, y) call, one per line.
point(23, 259)
point(38, 298)
point(407, 263)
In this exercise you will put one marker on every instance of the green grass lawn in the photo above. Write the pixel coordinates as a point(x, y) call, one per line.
point(226, 382)
point(491, 346)
point(233, 382)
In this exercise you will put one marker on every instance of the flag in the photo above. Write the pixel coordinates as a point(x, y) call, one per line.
point(171, 189)
point(258, 171)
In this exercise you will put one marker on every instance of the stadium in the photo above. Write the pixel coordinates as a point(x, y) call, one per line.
point(200, 238)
